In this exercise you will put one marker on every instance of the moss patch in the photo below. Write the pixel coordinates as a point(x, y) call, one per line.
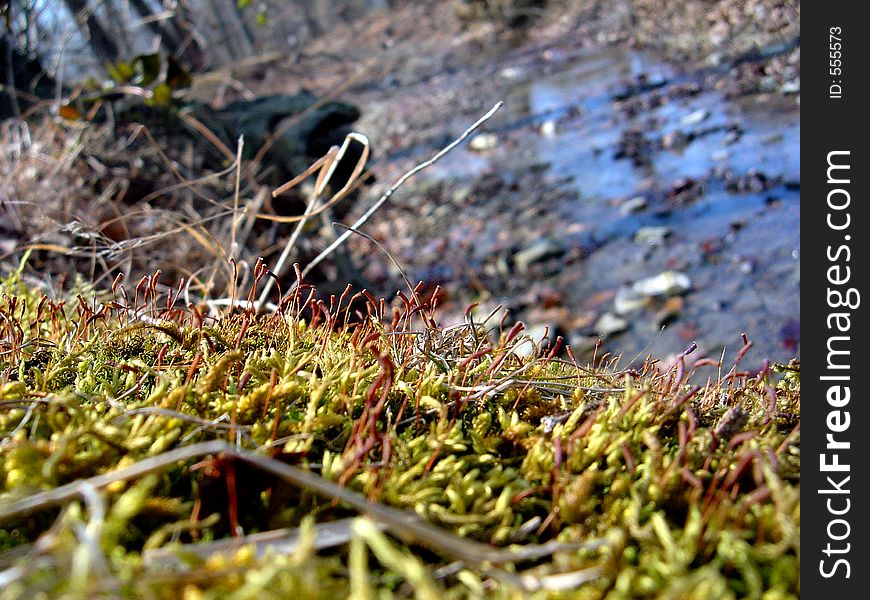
point(482, 474)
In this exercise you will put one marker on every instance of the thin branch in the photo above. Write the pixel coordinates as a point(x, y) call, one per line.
point(386, 196)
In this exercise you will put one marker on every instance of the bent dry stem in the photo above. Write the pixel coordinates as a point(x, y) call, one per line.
point(380, 202)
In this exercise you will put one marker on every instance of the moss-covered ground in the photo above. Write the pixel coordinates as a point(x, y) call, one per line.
point(154, 450)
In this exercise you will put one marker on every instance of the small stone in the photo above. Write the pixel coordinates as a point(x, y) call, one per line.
point(537, 252)
point(609, 324)
point(746, 266)
point(483, 142)
point(666, 283)
point(669, 311)
point(501, 266)
point(534, 339)
point(685, 190)
point(633, 205)
point(628, 301)
point(675, 140)
point(791, 87)
point(767, 84)
point(732, 137)
point(652, 236)
point(714, 59)
point(582, 343)
point(656, 80)
point(695, 117)
point(461, 195)
point(548, 128)
point(442, 211)
point(719, 155)
point(732, 422)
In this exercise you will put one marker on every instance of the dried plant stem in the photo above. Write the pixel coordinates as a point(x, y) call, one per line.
point(381, 247)
point(405, 525)
point(386, 196)
point(326, 167)
point(283, 541)
point(235, 223)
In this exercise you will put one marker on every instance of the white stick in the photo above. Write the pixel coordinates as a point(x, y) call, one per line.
point(340, 240)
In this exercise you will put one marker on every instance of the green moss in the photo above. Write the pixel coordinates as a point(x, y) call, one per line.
point(693, 490)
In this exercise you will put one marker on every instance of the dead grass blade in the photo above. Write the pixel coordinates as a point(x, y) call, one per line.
point(280, 541)
point(326, 167)
point(405, 525)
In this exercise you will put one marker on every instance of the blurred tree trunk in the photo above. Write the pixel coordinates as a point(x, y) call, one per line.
point(188, 50)
point(20, 71)
point(146, 13)
point(121, 32)
point(9, 61)
point(100, 42)
point(235, 36)
point(309, 17)
point(175, 33)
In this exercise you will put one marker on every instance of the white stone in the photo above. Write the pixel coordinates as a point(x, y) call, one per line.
point(666, 283)
point(482, 142)
point(695, 117)
point(628, 301)
point(609, 323)
point(654, 236)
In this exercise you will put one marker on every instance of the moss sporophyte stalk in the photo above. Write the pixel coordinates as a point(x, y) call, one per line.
point(153, 452)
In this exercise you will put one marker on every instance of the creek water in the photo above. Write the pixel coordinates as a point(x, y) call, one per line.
point(641, 143)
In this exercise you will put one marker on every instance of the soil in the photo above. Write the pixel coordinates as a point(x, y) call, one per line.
point(614, 159)
point(640, 184)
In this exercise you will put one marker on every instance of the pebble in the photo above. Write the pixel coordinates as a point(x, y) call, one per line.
point(535, 338)
point(628, 301)
point(653, 236)
point(632, 298)
point(483, 142)
point(695, 117)
point(746, 266)
point(609, 324)
point(675, 140)
point(666, 283)
point(669, 311)
point(501, 266)
point(714, 60)
point(461, 195)
point(582, 343)
point(732, 137)
point(537, 252)
point(791, 87)
point(633, 205)
point(548, 128)
point(767, 84)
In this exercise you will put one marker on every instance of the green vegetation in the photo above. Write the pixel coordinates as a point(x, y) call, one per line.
point(387, 457)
